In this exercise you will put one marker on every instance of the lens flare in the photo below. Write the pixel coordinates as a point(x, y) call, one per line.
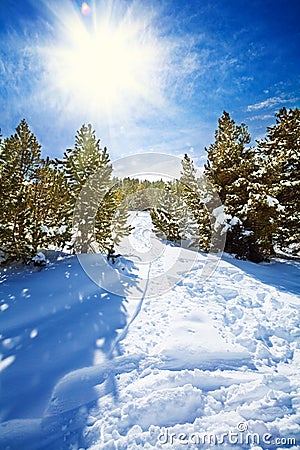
point(85, 9)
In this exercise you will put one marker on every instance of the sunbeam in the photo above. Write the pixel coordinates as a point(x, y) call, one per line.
point(107, 59)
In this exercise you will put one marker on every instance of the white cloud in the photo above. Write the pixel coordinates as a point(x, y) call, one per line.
point(261, 117)
point(270, 102)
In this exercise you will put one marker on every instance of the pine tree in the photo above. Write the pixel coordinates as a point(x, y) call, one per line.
point(32, 197)
point(93, 201)
point(170, 217)
point(225, 170)
point(20, 159)
point(49, 195)
point(80, 164)
point(111, 220)
point(233, 170)
point(226, 154)
point(129, 187)
point(257, 218)
point(281, 153)
point(195, 193)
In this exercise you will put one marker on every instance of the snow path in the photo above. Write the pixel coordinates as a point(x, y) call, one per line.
point(201, 359)
point(219, 355)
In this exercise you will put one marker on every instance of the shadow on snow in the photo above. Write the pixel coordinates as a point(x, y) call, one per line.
point(283, 276)
point(55, 329)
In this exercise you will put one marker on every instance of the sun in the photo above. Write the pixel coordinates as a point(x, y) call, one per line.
point(106, 62)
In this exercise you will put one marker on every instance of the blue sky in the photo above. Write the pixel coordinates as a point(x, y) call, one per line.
point(173, 68)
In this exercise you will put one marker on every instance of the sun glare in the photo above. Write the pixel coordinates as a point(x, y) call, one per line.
point(85, 9)
point(106, 62)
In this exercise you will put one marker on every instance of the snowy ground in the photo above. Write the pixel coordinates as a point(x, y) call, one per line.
point(206, 364)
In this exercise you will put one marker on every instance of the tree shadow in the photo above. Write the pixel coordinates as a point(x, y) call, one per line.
point(283, 275)
point(56, 325)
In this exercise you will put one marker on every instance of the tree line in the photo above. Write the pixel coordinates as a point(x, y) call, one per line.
point(258, 186)
point(38, 196)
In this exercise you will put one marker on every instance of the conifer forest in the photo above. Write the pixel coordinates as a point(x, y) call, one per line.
point(258, 185)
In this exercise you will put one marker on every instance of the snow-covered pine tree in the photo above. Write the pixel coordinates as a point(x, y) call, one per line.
point(170, 217)
point(281, 152)
point(32, 197)
point(111, 223)
point(20, 159)
point(195, 194)
point(95, 206)
point(225, 154)
point(80, 164)
point(225, 170)
point(49, 194)
point(258, 215)
point(232, 168)
point(119, 223)
point(129, 187)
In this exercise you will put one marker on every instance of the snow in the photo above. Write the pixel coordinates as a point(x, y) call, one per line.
point(225, 220)
point(247, 233)
point(45, 229)
point(234, 221)
point(272, 202)
point(205, 364)
point(221, 219)
point(39, 258)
